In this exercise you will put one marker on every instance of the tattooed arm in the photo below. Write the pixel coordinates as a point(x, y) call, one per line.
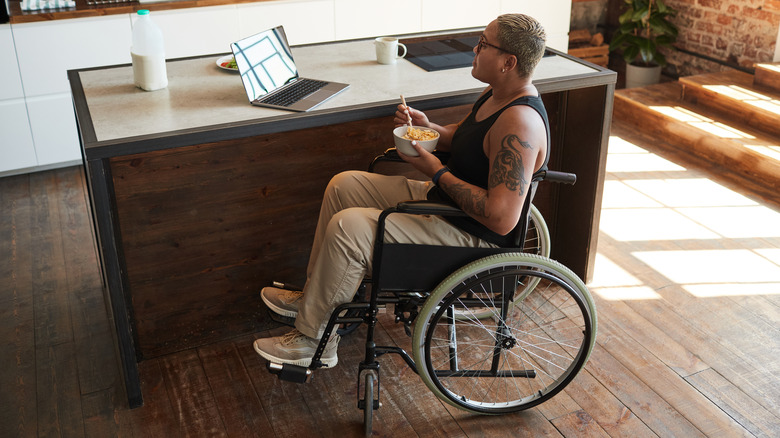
point(515, 147)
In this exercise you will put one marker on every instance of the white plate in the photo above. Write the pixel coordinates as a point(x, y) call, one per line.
point(224, 59)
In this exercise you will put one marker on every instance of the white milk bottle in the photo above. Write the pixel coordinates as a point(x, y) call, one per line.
point(148, 54)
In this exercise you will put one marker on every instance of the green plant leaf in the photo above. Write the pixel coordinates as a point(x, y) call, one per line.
point(627, 18)
point(630, 54)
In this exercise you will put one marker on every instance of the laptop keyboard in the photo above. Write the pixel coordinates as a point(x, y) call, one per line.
point(294, 93)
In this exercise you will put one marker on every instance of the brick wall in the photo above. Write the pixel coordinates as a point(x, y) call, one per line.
point(737, 32)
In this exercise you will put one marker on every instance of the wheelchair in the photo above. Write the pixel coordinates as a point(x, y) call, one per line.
point(493, 330)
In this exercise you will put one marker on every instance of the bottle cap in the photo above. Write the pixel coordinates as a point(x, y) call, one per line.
point(143, 12)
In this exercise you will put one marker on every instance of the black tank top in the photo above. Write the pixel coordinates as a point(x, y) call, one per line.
point(469, 162)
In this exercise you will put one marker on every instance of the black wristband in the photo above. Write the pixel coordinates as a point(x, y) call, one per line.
point(438, 175)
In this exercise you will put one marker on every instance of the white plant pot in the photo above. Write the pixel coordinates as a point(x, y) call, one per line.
point(637, 76)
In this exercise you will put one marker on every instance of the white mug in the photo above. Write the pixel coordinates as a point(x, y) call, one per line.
point(387, 50)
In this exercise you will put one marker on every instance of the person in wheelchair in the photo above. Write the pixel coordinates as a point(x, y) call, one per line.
point(494, 150)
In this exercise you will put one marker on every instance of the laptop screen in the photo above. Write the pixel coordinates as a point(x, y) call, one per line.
point(265, 62)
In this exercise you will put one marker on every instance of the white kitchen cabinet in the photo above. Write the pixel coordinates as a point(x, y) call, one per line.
point(553, 14)
point(47, 50)
point(456, 14)
point(16, 144)
point(9, 68)
point(361, 18)
point(197, 31)
point(304, 21)
point(54, 132)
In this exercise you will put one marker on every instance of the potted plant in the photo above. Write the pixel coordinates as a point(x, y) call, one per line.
point(644, 29)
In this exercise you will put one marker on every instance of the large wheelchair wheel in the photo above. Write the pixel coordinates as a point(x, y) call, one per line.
point(537, 241)
point(534, 343)
point(537, 238)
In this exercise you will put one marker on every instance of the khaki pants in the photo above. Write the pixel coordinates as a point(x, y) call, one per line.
point(344, 240)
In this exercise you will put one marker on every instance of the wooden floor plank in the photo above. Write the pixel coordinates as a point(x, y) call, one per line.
point(680, 359)
point(341, 384)
point(98, 410)
point(52, 324)
point(282, 402)
point(579, 424)
point(238, 403)
point(18, 399)
point(446, 418)
point(646, 404)
point(58, 391)
point(686, 400)
point(58, 399)
point(424, 411)
point(191, 397)
point(157, 417)
point(744, 409)
point(92, 330)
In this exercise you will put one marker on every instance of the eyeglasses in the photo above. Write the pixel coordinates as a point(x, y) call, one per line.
point(482, 43)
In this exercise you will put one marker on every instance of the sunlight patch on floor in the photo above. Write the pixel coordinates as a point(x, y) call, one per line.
point(689, 192)
point(626, 157)
point(618, 194)
point(661, 208)
point(712, 266)
point(732, 289)
point(737, 222)
point(634, 224)
point(612, 282)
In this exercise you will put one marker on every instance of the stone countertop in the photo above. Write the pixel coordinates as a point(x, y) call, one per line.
point(200, 94)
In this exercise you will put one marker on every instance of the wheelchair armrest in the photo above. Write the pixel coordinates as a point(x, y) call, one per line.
point(391, 155)
point(556, 177)
point(428, 207)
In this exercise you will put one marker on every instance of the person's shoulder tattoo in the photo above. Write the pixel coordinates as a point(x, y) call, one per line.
point(508, 165)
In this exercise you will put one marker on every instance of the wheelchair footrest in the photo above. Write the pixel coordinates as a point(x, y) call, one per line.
point(290, 373)
point(286, 320)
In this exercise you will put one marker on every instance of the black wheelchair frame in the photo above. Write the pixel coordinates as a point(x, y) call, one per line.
point(408, 293)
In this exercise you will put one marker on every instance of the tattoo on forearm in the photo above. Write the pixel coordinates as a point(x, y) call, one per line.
point(467, 199)
point(508, 165)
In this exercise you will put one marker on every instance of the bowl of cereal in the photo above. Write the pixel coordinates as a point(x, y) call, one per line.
point(425, 137)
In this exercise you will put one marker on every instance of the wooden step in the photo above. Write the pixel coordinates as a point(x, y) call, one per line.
point(768, 76)
point(733, 94)
point(660, 112)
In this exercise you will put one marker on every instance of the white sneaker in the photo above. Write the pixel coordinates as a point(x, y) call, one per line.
point(281, 301)
point(295, 348)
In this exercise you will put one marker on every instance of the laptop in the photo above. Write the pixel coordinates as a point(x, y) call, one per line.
point(271, 78)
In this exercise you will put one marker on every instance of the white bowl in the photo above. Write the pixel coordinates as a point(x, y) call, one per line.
point(405, 145)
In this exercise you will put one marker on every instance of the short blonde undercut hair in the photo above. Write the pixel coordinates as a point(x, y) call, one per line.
point(524, 37)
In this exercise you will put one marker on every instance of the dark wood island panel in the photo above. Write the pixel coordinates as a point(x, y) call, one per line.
point(204, 227)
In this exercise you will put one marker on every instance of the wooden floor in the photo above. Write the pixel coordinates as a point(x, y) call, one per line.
point(687, 285)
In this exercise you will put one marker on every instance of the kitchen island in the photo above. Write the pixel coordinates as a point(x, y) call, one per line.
point(200, 199)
